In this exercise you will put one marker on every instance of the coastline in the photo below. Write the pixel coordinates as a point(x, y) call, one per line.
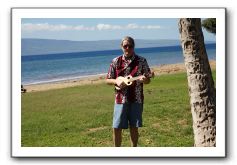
point(95, 79)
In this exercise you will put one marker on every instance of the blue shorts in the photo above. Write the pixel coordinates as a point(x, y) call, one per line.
point(127, 114)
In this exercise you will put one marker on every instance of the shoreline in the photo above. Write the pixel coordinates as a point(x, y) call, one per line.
point(100, 78)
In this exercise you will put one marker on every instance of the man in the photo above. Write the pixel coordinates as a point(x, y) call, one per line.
point(128, 106)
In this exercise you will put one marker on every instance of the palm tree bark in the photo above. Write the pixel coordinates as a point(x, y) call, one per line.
point(201, 85)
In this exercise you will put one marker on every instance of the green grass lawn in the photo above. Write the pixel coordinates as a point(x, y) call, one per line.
point(82, 116)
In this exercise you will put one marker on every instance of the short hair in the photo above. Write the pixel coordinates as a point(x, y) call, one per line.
point(129, 39)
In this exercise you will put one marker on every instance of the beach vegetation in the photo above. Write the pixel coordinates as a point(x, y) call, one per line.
point(210, 25)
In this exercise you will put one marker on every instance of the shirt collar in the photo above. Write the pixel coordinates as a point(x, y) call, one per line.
point(129, 59)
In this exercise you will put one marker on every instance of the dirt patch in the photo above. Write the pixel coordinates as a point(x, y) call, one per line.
point(175, 68)
point(92, 130)
point(183, 122)
point(156, 125)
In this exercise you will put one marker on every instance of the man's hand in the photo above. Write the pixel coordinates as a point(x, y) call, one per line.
point(141, 78)
point(144, 79)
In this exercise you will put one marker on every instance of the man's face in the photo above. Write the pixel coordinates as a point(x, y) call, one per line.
point(127, 48)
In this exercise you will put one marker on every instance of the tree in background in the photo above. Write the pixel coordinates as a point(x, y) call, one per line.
point(210, 25)
point(200, 82)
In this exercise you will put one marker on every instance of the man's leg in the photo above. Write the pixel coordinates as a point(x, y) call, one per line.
point(120, 121)
point(117, 135)
point(134, 136)
point(135, 121)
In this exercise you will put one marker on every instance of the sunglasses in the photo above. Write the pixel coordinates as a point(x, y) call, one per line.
point(127, 46)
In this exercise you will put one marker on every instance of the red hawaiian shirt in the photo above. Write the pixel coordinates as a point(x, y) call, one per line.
point(135, 66)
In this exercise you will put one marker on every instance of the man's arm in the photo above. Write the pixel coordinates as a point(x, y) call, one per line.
point(148, 79)
point(111, 81)
point(147, 71)
point(145, 80)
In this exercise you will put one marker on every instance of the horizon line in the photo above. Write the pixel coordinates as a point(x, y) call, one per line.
point(106, 39)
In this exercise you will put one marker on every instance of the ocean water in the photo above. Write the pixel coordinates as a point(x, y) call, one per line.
point(56, 67)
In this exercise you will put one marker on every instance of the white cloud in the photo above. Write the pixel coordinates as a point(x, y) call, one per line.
point(101, 26)
point(48, 27)
point(108, 27)
point(151, 27)
point(132, 26)
point(82, 27)
point(126, 27)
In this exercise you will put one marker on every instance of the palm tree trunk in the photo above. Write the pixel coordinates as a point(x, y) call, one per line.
point(201, 85)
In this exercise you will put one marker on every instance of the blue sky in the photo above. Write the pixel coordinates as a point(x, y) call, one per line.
point(92, 29)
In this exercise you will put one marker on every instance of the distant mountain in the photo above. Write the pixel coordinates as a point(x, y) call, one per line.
point(48, 46)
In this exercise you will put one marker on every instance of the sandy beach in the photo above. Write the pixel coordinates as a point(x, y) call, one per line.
point(158, 70)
